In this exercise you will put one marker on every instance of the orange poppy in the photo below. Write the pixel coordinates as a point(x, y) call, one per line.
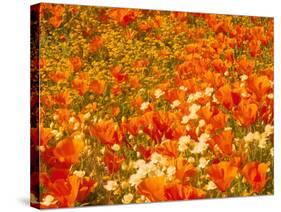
point(45, 135)
point(168, 148)
point(224, 141)
point(67, 190)
point(116, 73)
point(259, 85)
point(174, 94)
point(254, 47)
point(222, 174)
point(123, 16)
point(215, 79)
point(141, 63)
point(97, 86)
point(134, 82)
point(80, 84)
point(145, 151)
point(153, 188)
point(76, 63)
point(106, 132)
point(115, 111)
point(95, 44)
point(132, 125)
point(205, 113)
point(68, 150)
point(58, 76)
point(245, 66)
point(55, 21)
point(246, 113)
point(87, 186)
point(113, 162)
point(62, 116)
point(62, 99)
point(227, 97)
point(255, 174)
point(219, 65)
point(218, 120)
point(184, 170)
point(177, 191)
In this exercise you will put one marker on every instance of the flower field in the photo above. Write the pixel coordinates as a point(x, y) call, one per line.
point(143, 106)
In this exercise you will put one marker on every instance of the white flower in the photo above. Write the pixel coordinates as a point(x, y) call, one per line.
point(48, 200)
point(272, 152)
point(144, 106)
point(158, 92)
point(194, 108)
point(158, 158)
point(204, 137)
point(249, 137)
point(158, 172)
point(209, 91)
point(194, 97)
point(215, 100)
point(243, 77)
point(201, 123)
point(262, 141)
point(79, 173)
point(171, 170)
point(115, 147)
point(71, 120)
point(191, 160)
point(198, 95)
point(183, 141)
point(185, 119)
point(211, 186)
point(87, 116)
point(245, 94)
point(111, 185)
point(183, 88)
point(268, 130)
point(175, 103)
point(135, 180)
point(127, 198)
point(199, 147)
point(203, 163)
point(144, 170)
point(182, 147)
point(257, 136)
point(139, 163)
point(270, 96)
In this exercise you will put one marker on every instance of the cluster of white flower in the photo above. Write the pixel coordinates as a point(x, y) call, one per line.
point(48, 200)
point(202, 145)
point(183, 142)
point(79, 173)
point(175, 103)
point(194, 96)
point(209, 91)
point(127, 198)
point(261, 138)
point(157, 166)
point(111, 185)
point(158, 93)
point(192, 115)
point(144, 106)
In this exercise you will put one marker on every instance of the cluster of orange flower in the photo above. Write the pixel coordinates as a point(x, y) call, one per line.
point(142, 106)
